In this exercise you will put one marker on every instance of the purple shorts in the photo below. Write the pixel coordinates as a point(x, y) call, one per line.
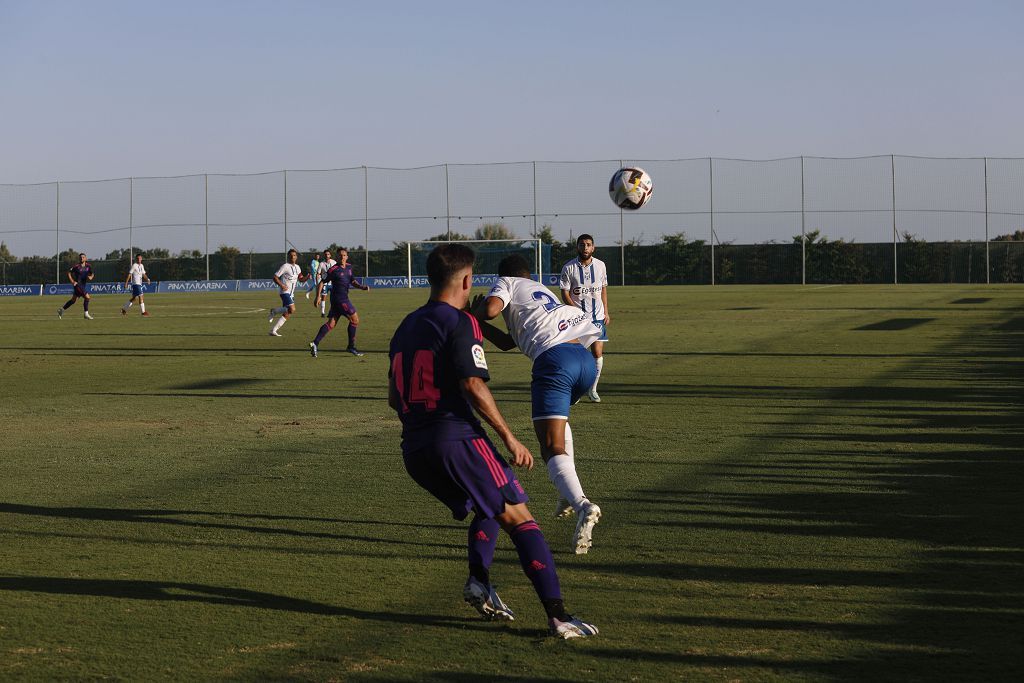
point(341, 309)
point(80, 291)
point(466, 475)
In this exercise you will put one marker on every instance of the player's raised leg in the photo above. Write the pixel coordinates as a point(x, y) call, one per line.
point(561, 467)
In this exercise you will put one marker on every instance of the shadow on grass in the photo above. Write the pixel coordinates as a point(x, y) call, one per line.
point(944, 482)
point(173, 591)
point(169, 518)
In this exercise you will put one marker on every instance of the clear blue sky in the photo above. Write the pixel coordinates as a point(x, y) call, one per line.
point(113, 89)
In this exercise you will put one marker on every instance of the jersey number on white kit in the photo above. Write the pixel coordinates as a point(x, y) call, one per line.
point(549, 301)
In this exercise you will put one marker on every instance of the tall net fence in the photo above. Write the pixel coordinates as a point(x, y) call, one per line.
point(710, 221)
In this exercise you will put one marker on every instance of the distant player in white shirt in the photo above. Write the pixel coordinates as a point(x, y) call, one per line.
point(555, 337)
point(286, 278)
point(326, 263)
point(136, 274)
point(584, 284)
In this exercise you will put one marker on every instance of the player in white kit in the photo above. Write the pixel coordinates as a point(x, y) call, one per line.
point(555, 337)
point(135, 276)
point(326, 263)
point(286, 277)
point(584, 284)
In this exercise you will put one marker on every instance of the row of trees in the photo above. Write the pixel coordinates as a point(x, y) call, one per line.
point(674, 260)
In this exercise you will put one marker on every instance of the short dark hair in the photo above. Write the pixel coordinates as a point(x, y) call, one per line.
point(582, 237)
point(291, 251)
point(446, 260)
point(513, 265)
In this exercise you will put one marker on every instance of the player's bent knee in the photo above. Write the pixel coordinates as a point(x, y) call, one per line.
point(512, 516)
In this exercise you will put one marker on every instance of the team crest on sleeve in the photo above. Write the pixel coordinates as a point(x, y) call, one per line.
point(478, 356)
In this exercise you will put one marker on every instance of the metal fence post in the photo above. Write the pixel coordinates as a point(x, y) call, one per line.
point(57, 232)
point(131, 220)
point(622, 238)
point(366, 218)
point(803, 226)
point(711, 213)
point(447, 206)
point(988, 269)
point(895, 234)
point(286, 210)
point(206, 210)
point(535, 199)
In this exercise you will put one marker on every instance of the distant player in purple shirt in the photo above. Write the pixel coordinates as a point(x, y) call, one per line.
point(340, 278)
point(436, 382)
point(80, 275)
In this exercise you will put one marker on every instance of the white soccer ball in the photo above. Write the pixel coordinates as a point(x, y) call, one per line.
point(630, 188)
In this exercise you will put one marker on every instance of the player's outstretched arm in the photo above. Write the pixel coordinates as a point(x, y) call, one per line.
point(500, 338)
point(486, 308)
point(479, 396)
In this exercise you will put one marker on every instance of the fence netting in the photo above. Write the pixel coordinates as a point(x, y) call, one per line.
point(710, 221)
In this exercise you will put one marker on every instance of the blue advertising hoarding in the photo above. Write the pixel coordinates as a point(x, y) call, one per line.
point(21, 290)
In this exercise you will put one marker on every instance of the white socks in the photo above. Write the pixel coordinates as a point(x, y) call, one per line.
point(127, 306)
point(600, 364)
point(562, 472)
point(280, 321)
point(323, 305)
point(142, 305)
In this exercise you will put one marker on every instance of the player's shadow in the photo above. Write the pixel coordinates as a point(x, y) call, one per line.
point(382, 397)
point(173, 591)
point(170, 518)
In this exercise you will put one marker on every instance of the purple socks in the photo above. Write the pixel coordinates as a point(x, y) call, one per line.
point(535, 557)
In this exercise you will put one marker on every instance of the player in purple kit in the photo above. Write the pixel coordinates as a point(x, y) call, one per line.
point(437, 380)
point(340, 278)
point(80, 275)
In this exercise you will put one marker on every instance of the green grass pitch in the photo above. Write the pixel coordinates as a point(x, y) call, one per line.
point(819, 483)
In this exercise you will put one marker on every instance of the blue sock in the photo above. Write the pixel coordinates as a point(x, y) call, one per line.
point(535, 557)
point(351, 336)
point(483, 537)
point(85, 302)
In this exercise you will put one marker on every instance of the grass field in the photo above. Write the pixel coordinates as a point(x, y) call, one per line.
point(797, 483)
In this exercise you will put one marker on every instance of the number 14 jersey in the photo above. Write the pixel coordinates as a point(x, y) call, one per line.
point(536, 320)
point(434, 348)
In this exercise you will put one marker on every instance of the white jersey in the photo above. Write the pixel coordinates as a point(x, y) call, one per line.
point(536, 319)
point(324, 267)
point(137, 273)
point(288, 274)
point(585, 283)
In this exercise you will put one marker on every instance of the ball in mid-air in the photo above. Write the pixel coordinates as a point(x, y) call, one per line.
point(630, 188)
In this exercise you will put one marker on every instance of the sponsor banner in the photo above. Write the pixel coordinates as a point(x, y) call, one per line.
point(198, 286)
point(479, 280)
point(21, 290)
point(395, 281)
point(257, 285)
point(66, 288)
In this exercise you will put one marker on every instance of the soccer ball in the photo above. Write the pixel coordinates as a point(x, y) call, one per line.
point(630, 188)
